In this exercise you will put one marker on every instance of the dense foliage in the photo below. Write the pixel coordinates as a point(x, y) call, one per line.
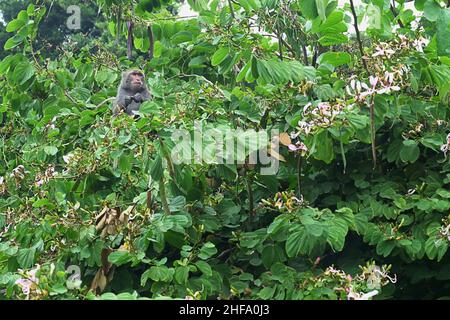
point(93, 206)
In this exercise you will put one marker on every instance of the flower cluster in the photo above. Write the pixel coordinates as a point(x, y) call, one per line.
point(2, 185)
point(320, 116)
point(46, 176)
point(298, 146)
point(363, 286)
point(444, 230)
point(446, 146)
point(377, 85)
point(29, 283)
point(284, 201)
point(80, 162)
point(19, 173)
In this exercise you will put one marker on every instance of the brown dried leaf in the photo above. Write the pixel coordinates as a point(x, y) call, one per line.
point(101, 224)
point(276, 155)
point(285, 139)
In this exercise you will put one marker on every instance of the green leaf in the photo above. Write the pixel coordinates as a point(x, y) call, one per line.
point(180, 37)
point(336, 59)
point(219, 55)
point(384, 248)
point(23, 72)
point(156, 170)
point(119, 257)
point(125, 163)
point(308, 8)
point(13, 42)
point(157, 273)
point(15, 24)
point(207, 251)
point(243, 72)
point(295, 242)
point(204, 267)
point(266, 293)
point(324, 147)
point(43, 203)
point(182, 274)
point(410, 151)
point(431, 10)
point(332, 39)
point(336, 231)
point(25, 257)
point(443, 33)
point(321, 8)
point(51, 150)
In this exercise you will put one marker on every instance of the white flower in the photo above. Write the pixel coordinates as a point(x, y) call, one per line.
point(369, 295)
point(25, 285)
point(373, 81)
point(68, 157)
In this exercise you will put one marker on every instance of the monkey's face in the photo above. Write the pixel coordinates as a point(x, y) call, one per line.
point(135, 81)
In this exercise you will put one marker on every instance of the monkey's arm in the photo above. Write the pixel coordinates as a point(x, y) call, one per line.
point(123, 99)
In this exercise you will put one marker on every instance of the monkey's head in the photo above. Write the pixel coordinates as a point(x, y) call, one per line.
point(133, 80)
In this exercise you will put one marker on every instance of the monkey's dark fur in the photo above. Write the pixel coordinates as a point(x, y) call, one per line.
point(129, 97)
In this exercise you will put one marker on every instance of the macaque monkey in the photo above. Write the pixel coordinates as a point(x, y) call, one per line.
point(131, 93)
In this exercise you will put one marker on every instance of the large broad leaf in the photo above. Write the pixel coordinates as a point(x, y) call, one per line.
point(336, 231)
point(157, 273)
point(409, 151)
point(443, 33)
point(156, 170)
point(333, 39)
point(23, 72)
point(321, 8)
point(431, 10)
point(119, 257)
point(219, 55)
point(295, 241)
point(336, 59)
point(308, 8)
point(182, 274)
point(207, 251)
point(323, 147)
point(25, 257)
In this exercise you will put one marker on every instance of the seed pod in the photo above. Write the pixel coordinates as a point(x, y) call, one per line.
point(111, 229)
point(101, 224)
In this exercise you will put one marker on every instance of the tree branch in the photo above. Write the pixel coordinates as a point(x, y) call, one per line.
point(358, 36)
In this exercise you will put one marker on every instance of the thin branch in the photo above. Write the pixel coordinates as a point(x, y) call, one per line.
point(299, 175)
point(394, 12)
point(163, 196)
point(152, 42)
point(130, 40)
point(358, 36)
point(372, 130)
point(231, 9)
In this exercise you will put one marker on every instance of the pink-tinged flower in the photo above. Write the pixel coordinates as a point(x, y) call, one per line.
point(389, 77)
point(188, 298)
point(39, 183)
point(25, 285)
point(373, 81)
point(299, 146)
point(68, 157)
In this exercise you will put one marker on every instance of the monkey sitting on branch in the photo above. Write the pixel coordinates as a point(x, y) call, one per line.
point(131, 93)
